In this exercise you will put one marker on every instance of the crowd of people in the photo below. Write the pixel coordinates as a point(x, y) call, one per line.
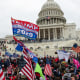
point(61, 70)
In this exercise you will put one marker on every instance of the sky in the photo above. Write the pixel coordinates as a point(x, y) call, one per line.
point(27, 10)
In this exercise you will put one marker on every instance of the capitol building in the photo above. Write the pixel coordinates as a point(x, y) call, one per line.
point(52, 23)
point(54, 31)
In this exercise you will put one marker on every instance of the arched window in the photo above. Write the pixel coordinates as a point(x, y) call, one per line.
point(47, 47)
point(31, 48)
point(39, 48)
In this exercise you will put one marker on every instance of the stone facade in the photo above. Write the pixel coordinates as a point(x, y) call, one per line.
point(52, 23)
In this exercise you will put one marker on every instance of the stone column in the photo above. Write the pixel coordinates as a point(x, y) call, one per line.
point(56, 20)
point(45, 21)
point(44, 33)
point(39, 33)
point(55, 33)
point(60, 33)
point(63, 33)
point(48, 34)
point(53, 21)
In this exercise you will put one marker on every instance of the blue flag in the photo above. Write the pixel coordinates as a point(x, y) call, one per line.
point(19, 47)
point(47, 61)
point(8, 54)
point(15, 55)
point(35, 59)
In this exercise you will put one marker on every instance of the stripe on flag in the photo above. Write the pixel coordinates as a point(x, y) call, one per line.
point(2, 77)
point(47, 69)
point(27, 70)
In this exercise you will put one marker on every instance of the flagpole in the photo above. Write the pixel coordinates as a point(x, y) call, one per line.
point(77, 56)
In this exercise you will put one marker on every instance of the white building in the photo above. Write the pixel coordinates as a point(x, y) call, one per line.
point(54, 31)
point(52, 23)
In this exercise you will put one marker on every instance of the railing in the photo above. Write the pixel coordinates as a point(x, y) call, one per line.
point(40, 41)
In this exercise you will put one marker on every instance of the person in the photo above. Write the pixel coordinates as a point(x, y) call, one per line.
point(78, 75)
point(73, 77)
point(67, 76)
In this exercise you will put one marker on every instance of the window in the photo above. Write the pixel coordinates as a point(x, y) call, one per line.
point(47, 47)
point(31, 48)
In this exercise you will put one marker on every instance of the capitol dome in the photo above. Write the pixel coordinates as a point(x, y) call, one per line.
point(50, 12)
point(50, 4)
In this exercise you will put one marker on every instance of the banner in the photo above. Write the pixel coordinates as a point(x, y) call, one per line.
point(24, 29)
point(63, 55)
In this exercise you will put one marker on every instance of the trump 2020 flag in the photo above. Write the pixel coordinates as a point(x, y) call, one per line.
point(2, 77)
point(24, 29)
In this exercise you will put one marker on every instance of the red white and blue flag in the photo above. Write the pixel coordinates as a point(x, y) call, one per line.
point(22, 45)
point(47, 17)
point(9, 69)
point(47, 69)
point(2, 77)
point(27, 70)
point(24, 29)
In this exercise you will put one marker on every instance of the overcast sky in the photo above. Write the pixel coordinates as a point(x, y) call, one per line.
point(28, 10)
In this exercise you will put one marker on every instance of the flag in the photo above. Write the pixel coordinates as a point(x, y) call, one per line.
point(63, 55)
point(47, 17)
point(24, 29)
point(76, 62)
point(27, 70)
point(76, 48)
point(35, 59)
point(8, 54)
point(32, 55)
point(47, 69)
point(39, 70)
point(15, 55)
point(18, 41)
point(19, 47)
point(2, 77)
point(23, 46)
point(9, 70)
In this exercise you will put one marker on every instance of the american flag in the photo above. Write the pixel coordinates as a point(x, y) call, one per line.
point(22, 45)
point(47, 17)
point(47, 69)
point(9, 69)
point(27, 70)
point(2, 77)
